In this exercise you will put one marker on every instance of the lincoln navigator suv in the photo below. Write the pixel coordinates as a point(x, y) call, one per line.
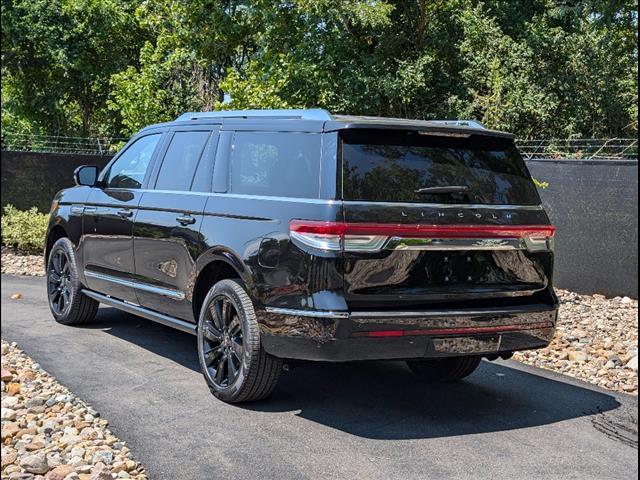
point(275, 236)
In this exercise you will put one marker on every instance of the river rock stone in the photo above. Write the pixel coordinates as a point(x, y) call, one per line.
point(59, 473)
point(7, 414)
point(605, 330)
point(104, 456)
point(36, 463)
point(40, 434)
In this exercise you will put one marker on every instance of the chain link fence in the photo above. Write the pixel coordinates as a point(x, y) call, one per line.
point(19, 142)
point(582, 148)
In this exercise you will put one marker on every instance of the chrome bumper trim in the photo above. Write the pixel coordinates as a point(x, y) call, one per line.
point(411, 314)
point(307, 313)
point(524, 309)
point(467, 244)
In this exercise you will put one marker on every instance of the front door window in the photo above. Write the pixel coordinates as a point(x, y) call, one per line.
point(129, 169)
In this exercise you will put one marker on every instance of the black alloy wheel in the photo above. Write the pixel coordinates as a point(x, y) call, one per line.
point(223, 348)
point(232, 359)
point(59, 283)
point(67, 303)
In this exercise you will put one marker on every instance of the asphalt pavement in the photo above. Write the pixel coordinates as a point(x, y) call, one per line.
point(369, 420)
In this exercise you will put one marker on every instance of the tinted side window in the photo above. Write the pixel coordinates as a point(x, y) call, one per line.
point(181, 160)
point(129, 169)
point(276, 164)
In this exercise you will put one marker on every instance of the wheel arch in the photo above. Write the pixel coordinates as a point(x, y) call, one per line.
point(53, 235)
point(215, 265)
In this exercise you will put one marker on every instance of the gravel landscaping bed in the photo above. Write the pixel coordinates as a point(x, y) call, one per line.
point(15, 263)
point(50, 434)
point(596, 341)
point(597, 338)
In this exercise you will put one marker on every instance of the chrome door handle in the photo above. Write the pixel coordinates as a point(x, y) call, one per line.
point(186, 220)
point(126, 213)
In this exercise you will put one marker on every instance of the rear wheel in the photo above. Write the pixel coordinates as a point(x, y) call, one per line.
point(233, 362)
point(67, 303)
point(448, 369)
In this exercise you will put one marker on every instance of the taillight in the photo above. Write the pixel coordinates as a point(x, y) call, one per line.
point(321, 235)
point(373, 237)
point(336, 236)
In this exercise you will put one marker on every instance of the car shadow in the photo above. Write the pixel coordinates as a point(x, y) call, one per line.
point(383, 400)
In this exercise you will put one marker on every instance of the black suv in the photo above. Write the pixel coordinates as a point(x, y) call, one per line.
point(297, 234)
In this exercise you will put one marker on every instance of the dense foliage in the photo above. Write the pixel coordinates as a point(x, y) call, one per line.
point(540, 68)
point(24, 230)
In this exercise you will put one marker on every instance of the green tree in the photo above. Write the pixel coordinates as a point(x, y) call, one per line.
point(540, 68)
point(180, 69)
point(567, 71)
point(57, 60)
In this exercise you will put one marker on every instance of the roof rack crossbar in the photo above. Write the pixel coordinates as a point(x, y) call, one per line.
point(310, 114)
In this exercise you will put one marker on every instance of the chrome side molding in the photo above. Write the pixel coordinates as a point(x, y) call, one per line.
point(165, 292)
point(142, 312)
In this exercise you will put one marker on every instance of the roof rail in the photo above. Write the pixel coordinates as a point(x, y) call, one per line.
point(460, 123)
point(310, 114)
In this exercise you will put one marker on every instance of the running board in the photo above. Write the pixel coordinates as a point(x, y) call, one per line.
point(142, 312)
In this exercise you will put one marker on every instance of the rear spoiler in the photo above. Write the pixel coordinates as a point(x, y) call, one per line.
point(444, 127)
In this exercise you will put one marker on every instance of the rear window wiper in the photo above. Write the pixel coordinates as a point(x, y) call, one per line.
point(443, 190)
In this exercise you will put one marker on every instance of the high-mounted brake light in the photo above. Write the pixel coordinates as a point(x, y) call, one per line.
point(373, 237)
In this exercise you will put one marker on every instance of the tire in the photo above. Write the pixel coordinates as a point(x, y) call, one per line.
point(67, 303)
point(233, 362)
point(444, 370)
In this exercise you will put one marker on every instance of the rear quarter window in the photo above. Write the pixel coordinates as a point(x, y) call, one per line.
point(284, 164)
point(389, 166)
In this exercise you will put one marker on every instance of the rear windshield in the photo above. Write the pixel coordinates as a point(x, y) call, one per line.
point(390, 166)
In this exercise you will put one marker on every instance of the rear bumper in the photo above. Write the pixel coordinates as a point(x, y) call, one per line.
point(346, 336)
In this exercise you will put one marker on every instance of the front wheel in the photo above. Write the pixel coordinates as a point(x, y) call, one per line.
point(450, 369)
point(67, 303)
point(233, 362)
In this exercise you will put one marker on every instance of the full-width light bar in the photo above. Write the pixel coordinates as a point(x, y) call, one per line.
point(370, 237)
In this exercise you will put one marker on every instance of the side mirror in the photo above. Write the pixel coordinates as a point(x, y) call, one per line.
point(86, 175)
